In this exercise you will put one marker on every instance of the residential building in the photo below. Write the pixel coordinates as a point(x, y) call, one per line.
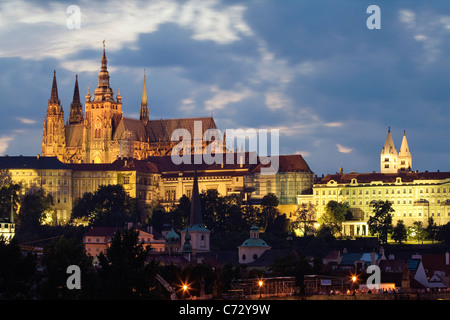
point(98, 239)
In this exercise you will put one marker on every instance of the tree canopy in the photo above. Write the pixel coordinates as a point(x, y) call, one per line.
point(380, 223)
point(334, 215)
point(108, 206)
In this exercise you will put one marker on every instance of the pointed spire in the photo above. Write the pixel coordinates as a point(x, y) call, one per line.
point(404, 149)
point(104, 60)
point(405, 154)
point(195, 216)
point(103, 91)
point(76, 91)
point(144, 103)
point(389, 147)
point(118, 97)
point(187, 247)
point(76, 109)
point(54, 95)
point(88, 95)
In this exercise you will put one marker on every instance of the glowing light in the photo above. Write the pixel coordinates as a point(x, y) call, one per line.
point(260, 283)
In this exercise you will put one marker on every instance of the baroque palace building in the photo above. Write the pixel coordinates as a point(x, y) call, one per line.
point(415, 196)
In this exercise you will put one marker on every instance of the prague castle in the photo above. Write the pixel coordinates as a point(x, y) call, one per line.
point(102, 134)
point(101, 147)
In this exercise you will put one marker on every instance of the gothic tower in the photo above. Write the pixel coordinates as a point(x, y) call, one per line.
point(76, 108)
point(54, 137)
point(404, 156)
point(102, 115)
point(144, 116)
point(389, 156)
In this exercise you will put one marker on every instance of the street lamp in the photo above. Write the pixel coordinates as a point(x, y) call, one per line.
point(354, 279)
point(260, 283)
point(184, 289)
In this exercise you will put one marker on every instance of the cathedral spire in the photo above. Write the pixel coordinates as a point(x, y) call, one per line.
point(54, 95)
point(103, 91)
point(144, 103)
point(76, 109)
point(76, 92)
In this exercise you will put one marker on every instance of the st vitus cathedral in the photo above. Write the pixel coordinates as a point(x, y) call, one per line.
point(102, 134)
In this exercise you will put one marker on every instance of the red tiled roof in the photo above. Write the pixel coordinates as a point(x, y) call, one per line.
point(101, 232)
point(346, 178)
point(435, 262)
point(287, 163)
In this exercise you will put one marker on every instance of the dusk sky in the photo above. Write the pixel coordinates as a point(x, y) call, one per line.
point(310, 68)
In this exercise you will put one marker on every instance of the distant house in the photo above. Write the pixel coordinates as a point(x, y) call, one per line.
point(357, 261)
point(405, 273)
point(437, 267)
point(98, 239)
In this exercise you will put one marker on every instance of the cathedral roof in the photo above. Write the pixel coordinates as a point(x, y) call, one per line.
point(161, 130)
point(158, 130)
point(130, 129)
point(74, 135)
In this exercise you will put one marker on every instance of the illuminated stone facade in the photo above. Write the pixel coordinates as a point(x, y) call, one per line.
point(102, 134)
point(415, 196)
point(155, 181)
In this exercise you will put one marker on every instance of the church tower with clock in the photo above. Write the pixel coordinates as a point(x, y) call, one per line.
point(103, 114)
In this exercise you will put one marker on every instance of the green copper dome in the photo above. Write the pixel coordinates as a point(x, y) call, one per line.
point(172, 237)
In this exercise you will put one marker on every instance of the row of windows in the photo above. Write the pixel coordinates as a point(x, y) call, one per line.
point(366, 202)
point(42, 173)
point(92, 175)
point(379, 191)
point(97, 239)
point(171, 194)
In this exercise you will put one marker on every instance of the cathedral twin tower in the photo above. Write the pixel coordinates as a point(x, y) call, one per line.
point(102, 134)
